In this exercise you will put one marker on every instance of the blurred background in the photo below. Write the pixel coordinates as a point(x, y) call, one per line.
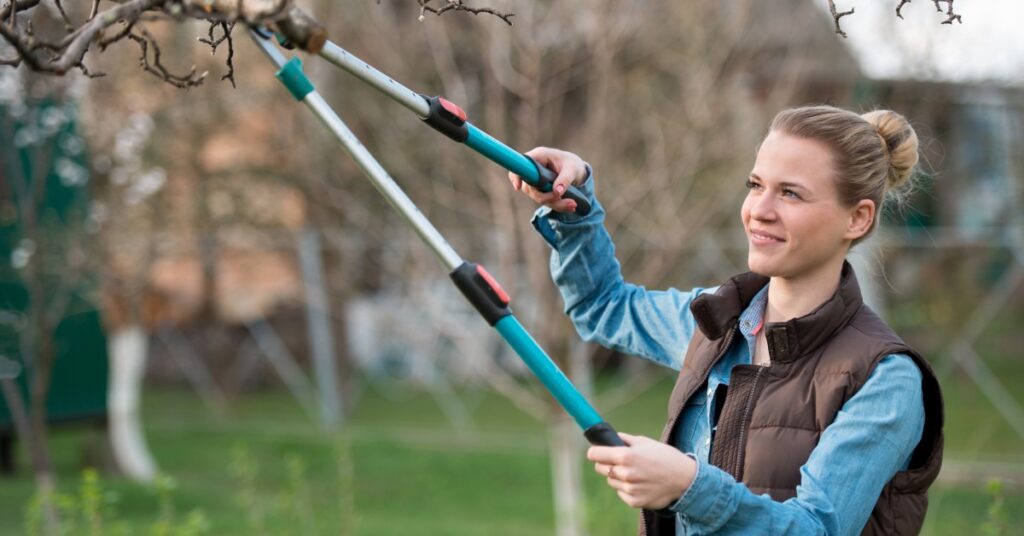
point(210, 322)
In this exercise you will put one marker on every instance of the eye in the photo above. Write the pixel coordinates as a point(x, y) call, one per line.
point(791, 193)
point(751, 185)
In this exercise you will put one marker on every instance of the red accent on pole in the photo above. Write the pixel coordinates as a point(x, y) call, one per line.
point(452, 108)
point(491, 282)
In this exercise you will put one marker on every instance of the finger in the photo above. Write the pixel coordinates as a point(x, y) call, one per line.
point(516, 181)
point(543, 198)
point(563, 205)
point(541, 155)
point(564, 179)
point(630, 439)
point(630, 500)
point(605, 455)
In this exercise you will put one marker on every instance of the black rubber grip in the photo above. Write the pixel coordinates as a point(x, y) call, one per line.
point(487, 299)
point(547, 181)
point(604, 435)
point(582, 205)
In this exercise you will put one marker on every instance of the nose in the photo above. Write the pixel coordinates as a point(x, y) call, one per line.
point(762, 207)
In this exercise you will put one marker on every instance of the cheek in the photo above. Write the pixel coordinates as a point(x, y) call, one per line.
point(823, 228)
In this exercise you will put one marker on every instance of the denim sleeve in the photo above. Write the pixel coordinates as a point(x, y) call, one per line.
point(656, 325)
point(871, 439)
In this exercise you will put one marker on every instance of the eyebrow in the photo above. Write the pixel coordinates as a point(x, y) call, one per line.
point(783, 184)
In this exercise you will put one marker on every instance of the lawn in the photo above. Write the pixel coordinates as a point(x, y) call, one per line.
point(400, 467)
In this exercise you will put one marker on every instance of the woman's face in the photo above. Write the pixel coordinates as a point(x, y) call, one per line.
point(792, 216)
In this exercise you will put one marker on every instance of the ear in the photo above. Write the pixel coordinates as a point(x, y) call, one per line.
point(861, 216)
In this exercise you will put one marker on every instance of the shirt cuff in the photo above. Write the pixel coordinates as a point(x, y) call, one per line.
point(546, 221)
point(706, 501)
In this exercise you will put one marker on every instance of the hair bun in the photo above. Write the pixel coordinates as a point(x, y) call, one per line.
point(900, 142)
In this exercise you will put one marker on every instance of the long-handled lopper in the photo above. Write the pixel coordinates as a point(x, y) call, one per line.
point(479, 287)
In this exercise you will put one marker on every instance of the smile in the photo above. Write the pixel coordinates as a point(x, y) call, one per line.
point(760, 237)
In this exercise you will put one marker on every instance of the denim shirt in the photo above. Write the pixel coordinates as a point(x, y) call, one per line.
point(872, 437)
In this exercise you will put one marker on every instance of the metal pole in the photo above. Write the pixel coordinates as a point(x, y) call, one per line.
point(383, 182)
point(367, 73)
point(303, 91)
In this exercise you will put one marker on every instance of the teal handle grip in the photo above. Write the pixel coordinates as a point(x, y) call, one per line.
point(547, 372)
point(294, 79)
point(533, 173)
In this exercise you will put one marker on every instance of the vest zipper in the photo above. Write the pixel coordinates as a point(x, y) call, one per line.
point(747, 410)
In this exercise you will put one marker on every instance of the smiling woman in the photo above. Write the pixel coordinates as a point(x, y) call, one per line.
point(796, 409)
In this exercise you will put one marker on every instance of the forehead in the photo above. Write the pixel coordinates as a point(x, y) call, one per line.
point(786, 158)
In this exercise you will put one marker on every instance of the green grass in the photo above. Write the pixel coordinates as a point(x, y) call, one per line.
point(415, 473)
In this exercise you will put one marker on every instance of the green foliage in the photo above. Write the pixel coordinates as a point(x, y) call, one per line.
point(92, 512)
point(399, 468)
point(295, 499)
point(998, 522)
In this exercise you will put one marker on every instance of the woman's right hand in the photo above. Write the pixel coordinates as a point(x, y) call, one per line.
point(571, 169)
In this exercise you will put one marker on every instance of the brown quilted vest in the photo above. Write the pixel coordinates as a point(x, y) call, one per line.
point(774, 416)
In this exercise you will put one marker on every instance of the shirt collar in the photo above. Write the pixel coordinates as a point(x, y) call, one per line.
point(752, 318)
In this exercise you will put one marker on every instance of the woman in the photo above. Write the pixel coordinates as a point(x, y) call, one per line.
point(796, 410)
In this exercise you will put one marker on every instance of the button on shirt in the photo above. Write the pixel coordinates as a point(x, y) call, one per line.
point(878, 427)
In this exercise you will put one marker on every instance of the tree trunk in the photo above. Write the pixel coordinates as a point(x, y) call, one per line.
point(566, 455)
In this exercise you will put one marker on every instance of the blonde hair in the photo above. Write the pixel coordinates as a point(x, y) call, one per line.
point(874, 154)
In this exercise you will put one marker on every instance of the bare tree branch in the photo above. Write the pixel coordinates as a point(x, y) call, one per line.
point(19, 5)
point(836, 15)
point(226, 28)
point(951, 16)
point(73, 47)
point(459, 5)
point(64, 15)
point(900, 7)
point(156, 67)
point(60, 55)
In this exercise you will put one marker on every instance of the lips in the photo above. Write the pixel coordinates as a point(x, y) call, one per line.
point(764, 237)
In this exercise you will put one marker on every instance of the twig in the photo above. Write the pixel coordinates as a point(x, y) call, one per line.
point(900, 7)
point(64, 15)
point(156, 68)
point(458, 5)
point(81, 66)
point(226, 28)
point(13, 7)
point(107, 41)
point(951, 16)
point(838, 15)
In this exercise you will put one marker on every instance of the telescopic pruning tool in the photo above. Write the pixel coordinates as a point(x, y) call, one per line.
point(475, 283)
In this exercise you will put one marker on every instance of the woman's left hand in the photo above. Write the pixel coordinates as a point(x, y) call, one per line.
point(645, 473)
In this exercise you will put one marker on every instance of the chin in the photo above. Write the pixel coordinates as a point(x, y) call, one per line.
point(762, 266)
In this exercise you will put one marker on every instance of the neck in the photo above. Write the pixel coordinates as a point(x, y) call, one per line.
point(790, 298)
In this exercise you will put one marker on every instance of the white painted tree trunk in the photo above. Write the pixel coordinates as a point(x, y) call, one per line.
point(128, 352)
point(566, 462)
point(567, 448)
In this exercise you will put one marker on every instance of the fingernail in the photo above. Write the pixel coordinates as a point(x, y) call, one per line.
point(572, 206)
point(560, 189)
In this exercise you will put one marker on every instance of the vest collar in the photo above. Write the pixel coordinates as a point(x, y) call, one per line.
point(716, 314)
